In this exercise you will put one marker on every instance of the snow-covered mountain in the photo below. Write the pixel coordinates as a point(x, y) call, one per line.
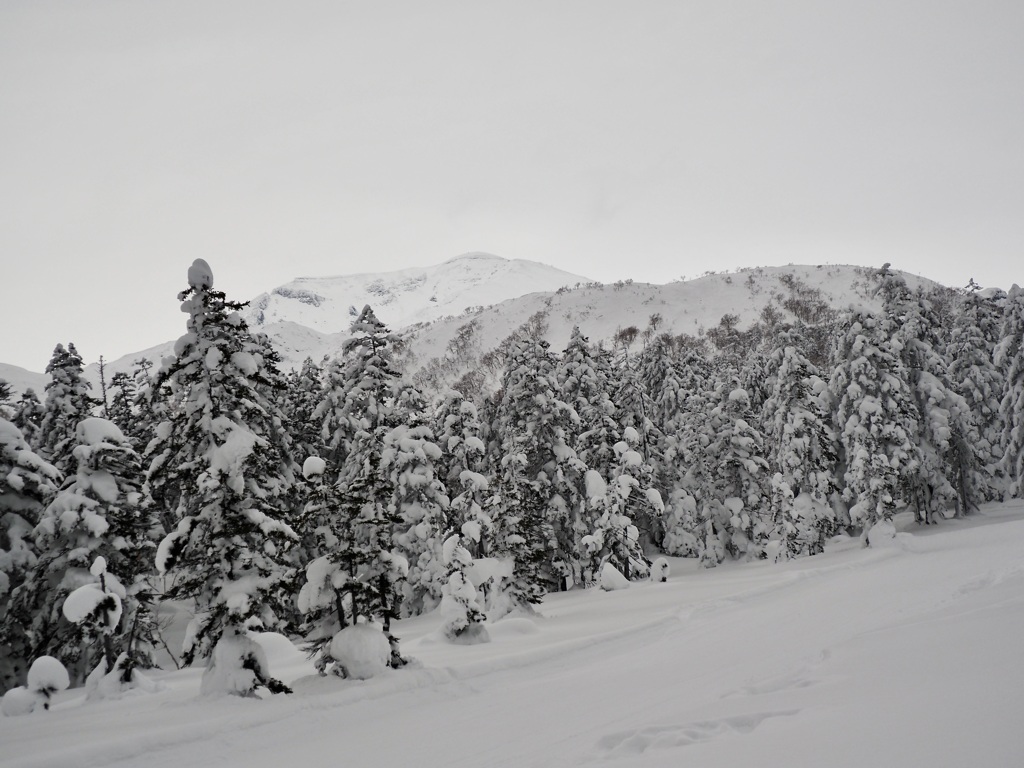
point(690, 307)
point(482, 299)
point(21, 379)
point(408, 296)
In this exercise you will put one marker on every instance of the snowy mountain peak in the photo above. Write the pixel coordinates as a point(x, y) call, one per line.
point(408, 296)
point(476, 256)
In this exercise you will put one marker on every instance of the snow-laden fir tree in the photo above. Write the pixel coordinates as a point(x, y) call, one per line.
point(945, 473)
point(633, 479)
point(98, 513)
point(27, 415)
point(612, 538)
point(540, 470)
point(67, 403)
point(96, 608)
point(685, 465)
point(351, 533)
point(875, 419)
point(583, 375)
point(121, 401)
point(461, 607)
point(301, 398)
point(1009, 356)
point(5, 400)
point(27, 483)
point(633, 404)
point(463, 470)
point(802, 450)
point(522, 534)
point(419, 501)
point(974, 374)
point(217, 471)
point(358, 560)
point(739, 479)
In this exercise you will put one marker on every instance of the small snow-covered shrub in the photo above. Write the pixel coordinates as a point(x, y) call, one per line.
point(460, 603)
point(46, 676)
point(362, 650)
point(102, 684)
point(238, 666)
point(611, 579)
point(659, 570)
point(881, 534)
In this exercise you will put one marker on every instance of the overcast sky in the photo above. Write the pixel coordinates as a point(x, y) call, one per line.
point(620, 139)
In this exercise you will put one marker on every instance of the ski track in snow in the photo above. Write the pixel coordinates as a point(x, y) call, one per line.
point(907, 655)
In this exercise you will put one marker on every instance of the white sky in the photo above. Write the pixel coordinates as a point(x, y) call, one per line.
point(613, 139)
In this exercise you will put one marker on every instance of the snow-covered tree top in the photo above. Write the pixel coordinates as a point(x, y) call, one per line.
point(96, 431)
point(200, 275)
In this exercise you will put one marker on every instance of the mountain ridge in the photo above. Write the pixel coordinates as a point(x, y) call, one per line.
point(600, 309)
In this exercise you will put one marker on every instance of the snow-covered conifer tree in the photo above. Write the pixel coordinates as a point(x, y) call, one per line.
point(27, 415)
point(217, 471)
point(302, 396)
point(803, 451)
point(1009, 356)
point(740, 472)
point(460, 605)
point(535, 425)
point(975, 376)
point(67, 403)
point(420, 501)
point(875, 420)
point(945, 473)
point(356, 412)
point(98, 513)
point(26, 484)
point(463, 466)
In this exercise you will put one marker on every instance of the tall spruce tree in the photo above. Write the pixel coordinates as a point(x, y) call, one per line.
point(540, 470)
point(975, 376)
point(357, 413)
point(216, 470)
point(945, 472)
point(802, 447)
point(875, 419)
point(1010, 359)
point(420, 501)
point(463, 468)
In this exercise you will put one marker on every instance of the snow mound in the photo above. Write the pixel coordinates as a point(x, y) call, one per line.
point(514, 626)
point(659, 570)
point(279, 650)
point(236, 666)
point(882, 534)
point(362, 650)
point(611, 579)
point(110, 685)
point(473, 634)
point(21, 701)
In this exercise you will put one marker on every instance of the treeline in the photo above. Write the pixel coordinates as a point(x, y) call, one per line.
point(310, 501)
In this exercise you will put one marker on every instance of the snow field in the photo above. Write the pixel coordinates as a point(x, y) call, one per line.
point(907, 655)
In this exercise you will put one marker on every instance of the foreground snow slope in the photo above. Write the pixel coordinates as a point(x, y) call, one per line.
point(895, 657)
